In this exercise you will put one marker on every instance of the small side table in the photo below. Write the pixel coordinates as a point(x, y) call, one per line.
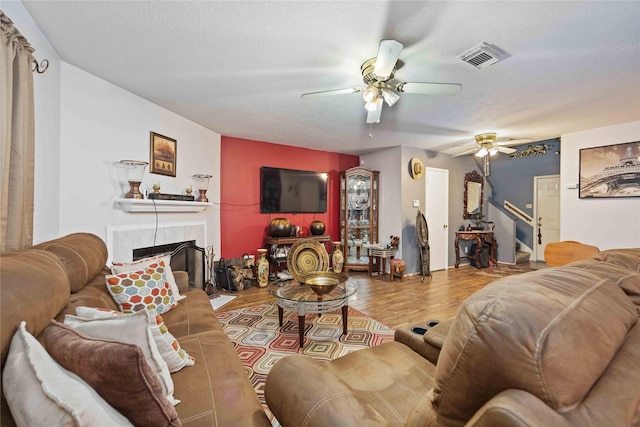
point(396, 268)
point(380, 255)
point(478, 236)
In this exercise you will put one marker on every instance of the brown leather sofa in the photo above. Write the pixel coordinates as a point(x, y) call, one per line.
point(555, 347)
point(53, 278)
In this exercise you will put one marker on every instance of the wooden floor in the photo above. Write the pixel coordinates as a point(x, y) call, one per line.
point(395, 303)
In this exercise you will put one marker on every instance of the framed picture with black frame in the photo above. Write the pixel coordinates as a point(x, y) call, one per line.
point(163, 154)
point(610, 171)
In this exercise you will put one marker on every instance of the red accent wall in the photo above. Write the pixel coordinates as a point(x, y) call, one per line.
point(242, 225)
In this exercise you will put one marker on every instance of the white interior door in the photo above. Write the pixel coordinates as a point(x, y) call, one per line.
point(547, 218)
point(436, 212)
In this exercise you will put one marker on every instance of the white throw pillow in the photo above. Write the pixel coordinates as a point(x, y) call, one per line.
point(141, 264)
point(42, 393)
point(130, 329)
point(168, 346)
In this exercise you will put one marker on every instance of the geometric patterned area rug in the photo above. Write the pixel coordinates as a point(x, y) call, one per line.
point(260, 342)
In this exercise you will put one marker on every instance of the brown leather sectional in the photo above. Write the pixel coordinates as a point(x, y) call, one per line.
point(51, 279)
point(555, 347)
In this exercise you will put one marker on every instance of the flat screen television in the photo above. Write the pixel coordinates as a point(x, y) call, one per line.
point(292, 191)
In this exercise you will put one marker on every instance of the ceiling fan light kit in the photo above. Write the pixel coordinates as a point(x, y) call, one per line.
point(370, 94)
point(373, 105)
point(482, 152)
point(390, 97)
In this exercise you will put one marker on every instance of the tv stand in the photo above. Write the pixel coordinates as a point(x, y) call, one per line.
point(279, 249)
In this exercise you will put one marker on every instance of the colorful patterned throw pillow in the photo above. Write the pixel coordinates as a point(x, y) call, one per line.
point(142, 264)
point(168, 346)
point(143, 289)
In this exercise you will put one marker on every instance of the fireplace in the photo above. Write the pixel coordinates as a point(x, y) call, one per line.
point(185, 256)
point(124, 243)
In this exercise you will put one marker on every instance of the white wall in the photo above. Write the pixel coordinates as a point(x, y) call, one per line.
point(605, 223)
point(389, 201)
point(102, 124)
point(46, 88)
point(82, 125)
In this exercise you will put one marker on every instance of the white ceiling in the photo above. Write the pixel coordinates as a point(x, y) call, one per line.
point(239, 67)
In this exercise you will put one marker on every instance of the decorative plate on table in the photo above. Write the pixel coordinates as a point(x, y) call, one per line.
point(306, 256)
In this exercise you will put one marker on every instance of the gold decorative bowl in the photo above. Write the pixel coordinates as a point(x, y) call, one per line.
point(323, 282)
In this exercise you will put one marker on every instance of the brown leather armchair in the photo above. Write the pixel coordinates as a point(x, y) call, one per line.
point(562, 253)
point(554, 347)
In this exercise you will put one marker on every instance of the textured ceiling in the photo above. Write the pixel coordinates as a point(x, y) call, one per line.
point(239, 67)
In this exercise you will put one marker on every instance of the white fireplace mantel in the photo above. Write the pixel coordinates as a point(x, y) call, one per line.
point(154, 205)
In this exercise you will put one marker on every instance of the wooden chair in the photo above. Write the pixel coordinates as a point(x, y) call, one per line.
point(561, 253)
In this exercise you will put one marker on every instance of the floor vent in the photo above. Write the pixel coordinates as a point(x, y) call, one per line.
point(481, 56)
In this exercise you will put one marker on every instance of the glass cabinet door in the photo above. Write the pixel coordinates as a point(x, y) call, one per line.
point(358, 215)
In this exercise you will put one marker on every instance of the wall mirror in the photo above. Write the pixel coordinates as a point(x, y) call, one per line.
point(473, 194)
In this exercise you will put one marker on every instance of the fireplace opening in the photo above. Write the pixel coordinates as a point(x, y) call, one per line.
point(185, 256)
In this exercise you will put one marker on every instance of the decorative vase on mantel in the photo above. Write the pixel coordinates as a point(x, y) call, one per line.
point(337, 258)
point(202, 184)
point(280, 227)
point(317, 228)
point(135, 173)
point(263, 268)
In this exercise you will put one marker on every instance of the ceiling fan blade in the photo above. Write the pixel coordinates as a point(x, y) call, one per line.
point(388, 54)
point(331, 92)
point(373, 115)
point(507, 142)
point(429, 88)
point(464, 153)
point(504, 149)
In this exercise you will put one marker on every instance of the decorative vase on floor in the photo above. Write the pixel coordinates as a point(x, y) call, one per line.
point(280, 227)
point(337, 258)
point(263, 268)
point(317, 228)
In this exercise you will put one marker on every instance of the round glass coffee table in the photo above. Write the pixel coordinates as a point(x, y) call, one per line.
point(293, 296)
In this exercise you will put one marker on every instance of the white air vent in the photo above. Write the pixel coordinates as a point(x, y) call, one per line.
point(481, 56)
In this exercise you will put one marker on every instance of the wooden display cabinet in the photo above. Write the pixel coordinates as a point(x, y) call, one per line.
point(359, 189)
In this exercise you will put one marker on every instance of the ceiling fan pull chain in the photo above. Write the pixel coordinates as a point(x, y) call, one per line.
point(370, 130)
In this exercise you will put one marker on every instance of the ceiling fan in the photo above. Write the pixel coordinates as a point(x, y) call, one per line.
point(487, 145)
point(377, 74)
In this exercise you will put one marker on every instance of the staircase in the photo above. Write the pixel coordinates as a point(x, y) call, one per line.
point(522, 257)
